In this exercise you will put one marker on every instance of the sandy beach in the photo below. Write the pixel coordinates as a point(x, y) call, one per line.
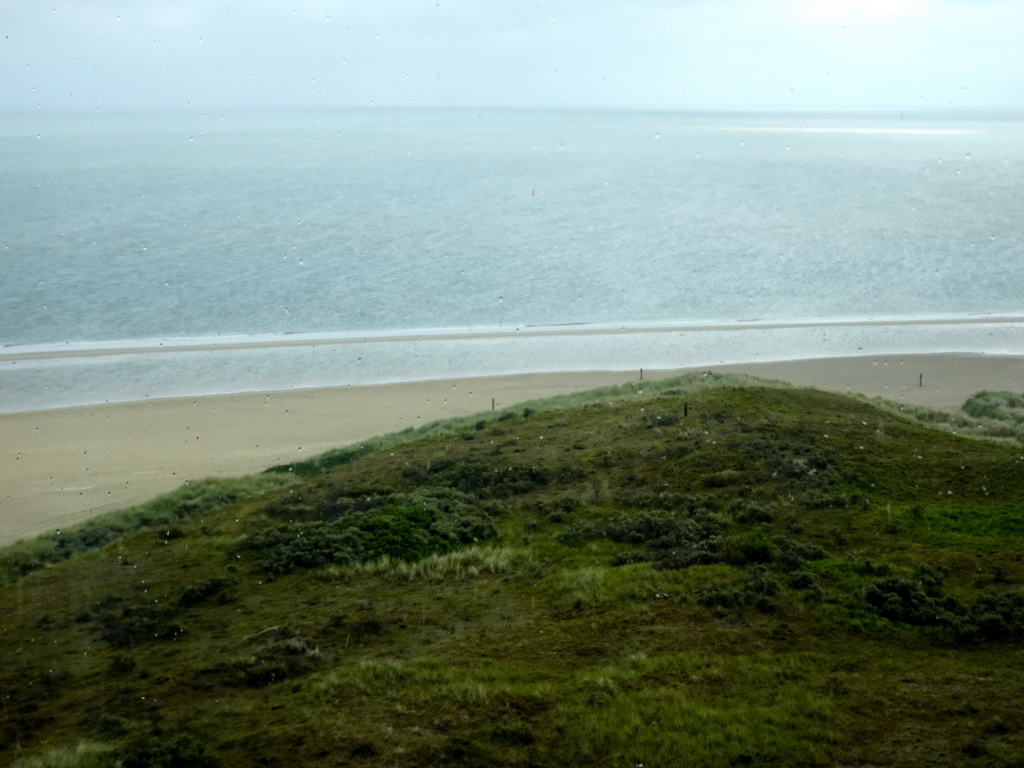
point(60, 466)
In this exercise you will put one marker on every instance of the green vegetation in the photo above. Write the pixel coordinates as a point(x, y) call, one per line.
point(698, 573)
point(162, 515)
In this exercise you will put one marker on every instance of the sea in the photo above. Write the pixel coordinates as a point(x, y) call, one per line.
point(201, 252)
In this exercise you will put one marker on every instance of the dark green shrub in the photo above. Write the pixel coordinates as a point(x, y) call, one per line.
point(169, 533)
point(649, 421)
point(753, 547)
point(1003, 406)
point(807, 583)
point(401, 526)
point(721, 479)
point(179, 751)
point(654, 528)
point(663, 529)
point(992, 617)
point(110, 726)
point(263, 672)
point(792, 554)
point(667, 500)
point(325, 461)
point(275, 655)
point(998, 617)
point(124, 625)
point(578, 532)
point(901, 600)
point(69, 545)
point(630, 557)
point(199, 591)
point(838, 537)
point(722, 598)
point(751, 514)
point(308, 545)
point(704, 552)
point(802, 580)
point(868, 568)
point(931, 578)
point(123, 663)
point(481, 479)
point(758, 589)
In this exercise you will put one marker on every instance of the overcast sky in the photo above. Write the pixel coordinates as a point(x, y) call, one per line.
point(117, 54)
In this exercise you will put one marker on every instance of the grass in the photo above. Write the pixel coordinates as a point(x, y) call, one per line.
point(700, 572)
point(461, 565)
point(164, 513)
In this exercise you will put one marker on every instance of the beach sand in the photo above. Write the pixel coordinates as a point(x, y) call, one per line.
point(61, 466)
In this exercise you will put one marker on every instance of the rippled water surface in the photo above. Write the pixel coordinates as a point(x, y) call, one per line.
point(121, 228)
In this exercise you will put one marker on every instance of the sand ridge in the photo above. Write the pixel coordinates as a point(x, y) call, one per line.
point(60, 466)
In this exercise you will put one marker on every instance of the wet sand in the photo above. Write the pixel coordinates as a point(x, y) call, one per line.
point(60, 466)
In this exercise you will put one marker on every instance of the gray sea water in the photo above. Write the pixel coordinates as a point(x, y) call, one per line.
point(171, 230)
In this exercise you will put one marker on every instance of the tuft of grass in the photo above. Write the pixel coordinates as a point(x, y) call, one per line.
point(996, 416)
point(461, 565)
point(1004, 406)
point(85, 755)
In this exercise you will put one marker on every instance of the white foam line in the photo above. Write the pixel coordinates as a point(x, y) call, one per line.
point(229, 343)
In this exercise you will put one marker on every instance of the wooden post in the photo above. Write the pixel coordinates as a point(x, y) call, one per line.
point(686, 410)
point(492, 403)
point(920, 380)
point(641, 374)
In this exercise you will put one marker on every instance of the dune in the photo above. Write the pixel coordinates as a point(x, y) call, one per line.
point(62, 466)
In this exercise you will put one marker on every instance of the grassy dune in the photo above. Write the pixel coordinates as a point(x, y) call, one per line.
point(706, 572)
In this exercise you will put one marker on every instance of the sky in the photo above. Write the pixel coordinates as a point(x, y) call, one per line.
point(681, 54)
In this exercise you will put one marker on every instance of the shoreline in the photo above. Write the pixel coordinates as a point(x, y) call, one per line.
point(229, 343)
point(34, 379)
point(64, 465)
